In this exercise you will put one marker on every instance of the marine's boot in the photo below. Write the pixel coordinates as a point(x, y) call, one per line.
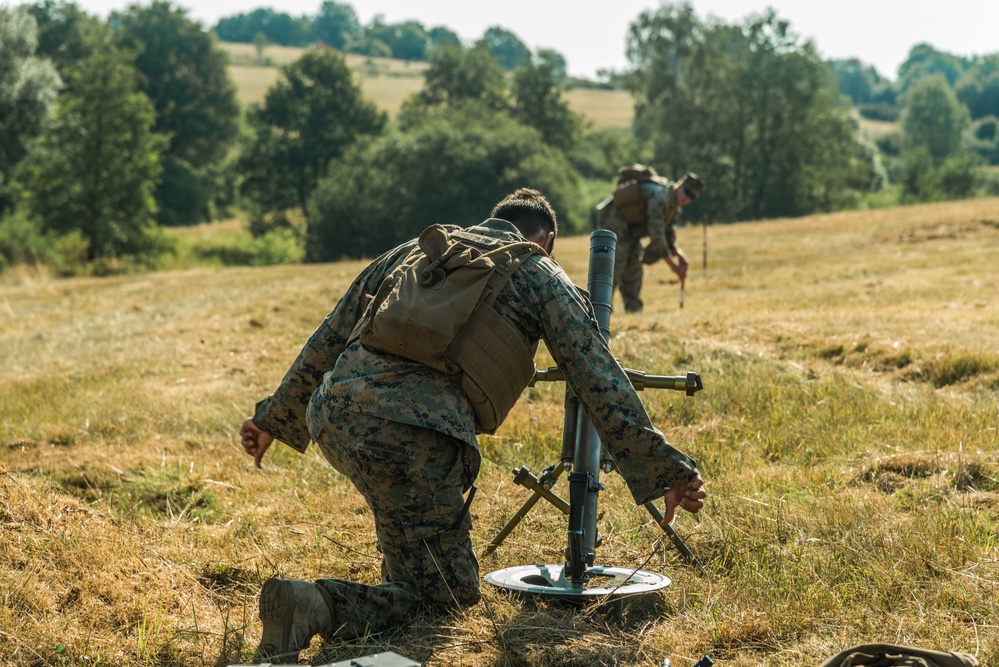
point(292, 612)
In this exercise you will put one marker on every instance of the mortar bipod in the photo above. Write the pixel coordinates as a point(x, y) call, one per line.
point(541, 485)
point(582, 454)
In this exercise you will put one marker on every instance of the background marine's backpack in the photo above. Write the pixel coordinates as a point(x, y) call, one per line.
point(435, 308)
point(629, 200)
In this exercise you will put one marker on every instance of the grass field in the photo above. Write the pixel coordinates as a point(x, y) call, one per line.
point(847, 432)
point(388, 82)
point(878, 128)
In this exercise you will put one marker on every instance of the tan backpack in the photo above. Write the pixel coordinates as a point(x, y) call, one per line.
point(890, 655)
point(629, 200)
point(435, 308)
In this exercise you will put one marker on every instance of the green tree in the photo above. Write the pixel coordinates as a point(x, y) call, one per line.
point(259, 45)
point(556, 61)
point(925, 61)
point(95, 165)
point(184, 73)
point(508, 49)
point(336, 24)
point(599, 153)
point(983, 138)
point(64, 32)
point(538, 102)
point(978, 87)
point(369, 46)
point(457, 76)
point(934, 119)
point(750, 108)
point(408, 40)
point(28, 86)
point(442, 36)
point(862, 83)
point(450, 168)
point(279, 28)
point(923, 179)
point(308, 119)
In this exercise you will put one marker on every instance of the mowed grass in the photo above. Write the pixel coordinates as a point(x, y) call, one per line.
point(388, 82)
point(847, 432)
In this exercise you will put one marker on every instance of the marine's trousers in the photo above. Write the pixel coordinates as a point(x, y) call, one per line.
point(628, 268)
point(412, 479)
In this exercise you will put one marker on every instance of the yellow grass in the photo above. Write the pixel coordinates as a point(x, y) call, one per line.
point(847, 431)
point(878, 128)
point(605, 108)
point(388, 82)
point(253, 82)
point(389, 93)
point(247, 53)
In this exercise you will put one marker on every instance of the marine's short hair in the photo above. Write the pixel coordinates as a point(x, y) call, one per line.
point(529, 212)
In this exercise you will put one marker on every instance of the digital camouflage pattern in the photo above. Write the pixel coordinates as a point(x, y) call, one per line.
point(393, 411)
point(423, 532)
point(542, 303)
point(662, 212)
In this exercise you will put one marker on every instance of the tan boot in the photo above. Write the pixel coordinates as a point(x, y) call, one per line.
point(292, 612)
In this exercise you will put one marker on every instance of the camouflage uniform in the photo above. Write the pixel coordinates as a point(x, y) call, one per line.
point(405, 435)
point(661, 213)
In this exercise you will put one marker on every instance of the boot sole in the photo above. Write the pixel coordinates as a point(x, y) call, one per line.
point(277, 613)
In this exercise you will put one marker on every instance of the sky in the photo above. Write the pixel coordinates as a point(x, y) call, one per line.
point(591, 35)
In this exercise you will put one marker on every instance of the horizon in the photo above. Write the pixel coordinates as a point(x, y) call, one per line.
point(878, 34)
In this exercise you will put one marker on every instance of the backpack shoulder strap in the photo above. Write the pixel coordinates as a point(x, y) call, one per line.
point(519, 253)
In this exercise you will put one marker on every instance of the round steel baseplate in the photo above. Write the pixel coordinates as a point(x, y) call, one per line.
point(605, 581)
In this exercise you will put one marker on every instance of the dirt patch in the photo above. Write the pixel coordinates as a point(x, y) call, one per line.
point(889, 473)
point(940, 231)
point(961, 472)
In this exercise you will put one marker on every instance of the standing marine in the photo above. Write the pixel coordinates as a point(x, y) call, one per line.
point(432, 343)
point(644, 204)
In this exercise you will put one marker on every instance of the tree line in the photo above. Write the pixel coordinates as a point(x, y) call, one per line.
point(336, 25)
point(112, 130)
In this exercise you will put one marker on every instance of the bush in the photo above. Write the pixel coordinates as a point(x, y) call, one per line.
point(369, 46)
point(988, 182)
point(917, 175)
point(598, 154)
point(22, 242)
point(890, 143)
point(884, 112)
point(983, 138)
point(183, 196)
point(217, 246)
point(956, 176)
point(278, 246)
point(451, 166)
point(953, 179)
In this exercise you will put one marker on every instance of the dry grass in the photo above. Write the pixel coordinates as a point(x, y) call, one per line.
point(847, 430)
point(388, 82)
point(605, 108)
point(877, 128)
point(252, 82)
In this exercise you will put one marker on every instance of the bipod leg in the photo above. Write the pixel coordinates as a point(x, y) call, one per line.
point(541, 489)
point(674, 537)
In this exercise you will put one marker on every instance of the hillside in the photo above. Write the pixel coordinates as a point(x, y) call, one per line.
point(388, 82)
point(847, 432)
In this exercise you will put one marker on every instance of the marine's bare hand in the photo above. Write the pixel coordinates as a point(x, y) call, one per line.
point(679, 264)
point(689, 496)
point(255, 441)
